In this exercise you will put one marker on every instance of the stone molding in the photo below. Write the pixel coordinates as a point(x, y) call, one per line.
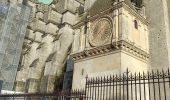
point(120, 45)
point(81, 1)
point(107, 11)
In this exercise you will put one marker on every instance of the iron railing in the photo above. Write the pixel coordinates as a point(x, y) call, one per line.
point(154, 85)
point(59, 95)
point(127, 86)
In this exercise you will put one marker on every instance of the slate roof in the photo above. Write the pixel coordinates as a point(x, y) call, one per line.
point(99, 6)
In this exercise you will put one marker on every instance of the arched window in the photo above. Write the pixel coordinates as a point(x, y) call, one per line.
point(136, 24)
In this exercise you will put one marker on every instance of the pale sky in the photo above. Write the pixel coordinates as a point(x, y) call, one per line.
point(45, 1)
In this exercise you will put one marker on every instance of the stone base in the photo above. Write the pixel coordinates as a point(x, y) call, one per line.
point(32, 85)
point(19, 86)
point(115, 62)
point(47, 83)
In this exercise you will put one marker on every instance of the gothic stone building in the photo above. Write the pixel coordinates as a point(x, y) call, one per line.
point(102, 36)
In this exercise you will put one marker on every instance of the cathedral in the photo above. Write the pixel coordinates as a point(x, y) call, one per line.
point(64, 41)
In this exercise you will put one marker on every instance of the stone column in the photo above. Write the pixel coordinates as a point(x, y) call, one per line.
point(54, 68)
point(47, 83)
point(32, 85)
point(159, 30)
point(19, 86)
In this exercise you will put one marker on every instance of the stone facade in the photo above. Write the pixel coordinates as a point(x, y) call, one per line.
point(14, 20)
point(45, 47)
point(137, 40)
point(159, 28)
point(126, 44)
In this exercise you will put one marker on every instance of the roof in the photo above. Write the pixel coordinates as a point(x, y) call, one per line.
point(100, 5)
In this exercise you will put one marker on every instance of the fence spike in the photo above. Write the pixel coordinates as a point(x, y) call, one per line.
point(115, 84)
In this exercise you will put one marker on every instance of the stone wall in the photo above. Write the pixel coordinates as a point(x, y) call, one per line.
point(14, 20)
point(45, 48)
point(157, 15)
point(130, 51)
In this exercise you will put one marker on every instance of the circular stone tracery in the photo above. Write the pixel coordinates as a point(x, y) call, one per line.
point(101, 32)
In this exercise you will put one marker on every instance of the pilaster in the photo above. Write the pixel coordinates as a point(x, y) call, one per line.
point(32, 85)
point(19, 86)
point(47, 84)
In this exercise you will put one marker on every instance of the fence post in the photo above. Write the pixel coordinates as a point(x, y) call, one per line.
point(86, 86)
point(127, 84)
point(80, 98)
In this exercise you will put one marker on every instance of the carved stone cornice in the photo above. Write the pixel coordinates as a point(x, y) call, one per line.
point(120, 45)
point(109, 10)
point(131, 48)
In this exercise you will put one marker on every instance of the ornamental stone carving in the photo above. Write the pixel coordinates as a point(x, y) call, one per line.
point(101, 32)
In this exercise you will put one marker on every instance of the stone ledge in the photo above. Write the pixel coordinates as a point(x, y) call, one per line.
point(120, 45)
point(80, 1)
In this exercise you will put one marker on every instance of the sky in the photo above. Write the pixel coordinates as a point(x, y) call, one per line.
point(45, 1)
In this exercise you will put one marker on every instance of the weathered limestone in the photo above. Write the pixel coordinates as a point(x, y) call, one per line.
point(32, 85)
point(38, 37)
point(14, 20)
point(51, 50)
point(54, 17)
point(47, 83)
point(66, 33)
point(54, 68)
point(67, 5)
point(39, 25)
point(51, 29)
point(68, 18)
point(88, 4)
point(159, 37)
point(22, 74)
point(127, 46)
point(55, 28)
point(19, 86)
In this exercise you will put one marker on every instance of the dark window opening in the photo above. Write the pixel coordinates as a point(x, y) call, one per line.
point(136, 24)
point(137, 3)
point(24, 2)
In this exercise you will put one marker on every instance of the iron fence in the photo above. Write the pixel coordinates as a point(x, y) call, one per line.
point(154, 85)
point(130, 86)
point(60, 95)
